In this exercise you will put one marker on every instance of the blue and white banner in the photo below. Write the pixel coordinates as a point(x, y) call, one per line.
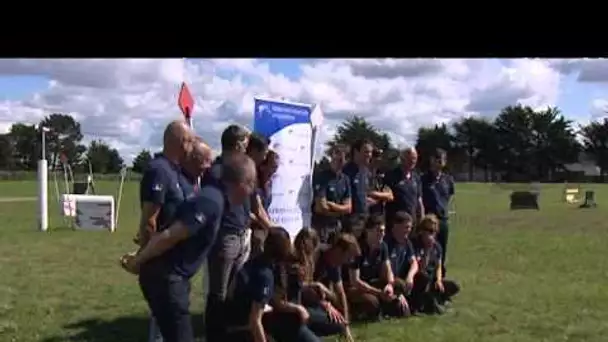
point(291, 128)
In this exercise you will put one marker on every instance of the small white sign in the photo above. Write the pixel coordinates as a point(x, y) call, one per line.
point(90, 212)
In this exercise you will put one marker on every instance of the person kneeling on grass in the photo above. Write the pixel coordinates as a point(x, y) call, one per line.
point(250, 319)
point(373, 290)
point(402, 255)
point(325, 318)
point(287, 305)
point(430, 290)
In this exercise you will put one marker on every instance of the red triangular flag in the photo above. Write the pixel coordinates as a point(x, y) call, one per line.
point(185, 102)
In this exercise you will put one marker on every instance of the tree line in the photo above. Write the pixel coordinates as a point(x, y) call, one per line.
point(21, 147)
point(520, 144)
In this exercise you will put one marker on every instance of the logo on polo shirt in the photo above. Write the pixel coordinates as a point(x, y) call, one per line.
point(199, 217)
point(157, 187)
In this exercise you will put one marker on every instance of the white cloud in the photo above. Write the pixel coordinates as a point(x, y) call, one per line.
point(586, 69)
point(128, 102)
point(599, 109)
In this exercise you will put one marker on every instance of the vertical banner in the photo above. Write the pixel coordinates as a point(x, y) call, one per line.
point(291, 133)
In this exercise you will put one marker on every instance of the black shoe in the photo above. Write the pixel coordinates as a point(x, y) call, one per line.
point(432, 307)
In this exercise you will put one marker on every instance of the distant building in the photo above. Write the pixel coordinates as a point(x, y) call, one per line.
point(586, 166)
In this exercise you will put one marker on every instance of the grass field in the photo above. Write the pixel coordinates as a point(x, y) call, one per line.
point(526, 275)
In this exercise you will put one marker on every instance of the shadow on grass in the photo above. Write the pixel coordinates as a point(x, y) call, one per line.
point(123, 329)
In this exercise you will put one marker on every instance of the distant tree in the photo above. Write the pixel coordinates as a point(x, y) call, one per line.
point(487, 156)
point(141, 161)
point(431, 138)
point(532, 145)
point(466, 134)
point(64, 138)
point(595, 143)
point(514, 131)
point(26, 143)
point(356, 128)
point(103, 158)
point(554, 142)
point(7, 152)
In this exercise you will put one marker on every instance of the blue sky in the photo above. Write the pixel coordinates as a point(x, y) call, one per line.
point(398, 96)
point(574, 100)
point(21, 87)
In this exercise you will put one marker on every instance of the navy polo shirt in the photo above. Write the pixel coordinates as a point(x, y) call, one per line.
point(436, 193)
point(428, 260)
point(335, 188)
point(162, 185)
point(378, 182)
point(400, 256)
point(293, 283)
point(360, 179)
point(369, 263)
point(236, 217)
point(202, 215)
point(265, 198)
point(189, 185)
point(324, 273)
point(254, 284)
point(406, 192)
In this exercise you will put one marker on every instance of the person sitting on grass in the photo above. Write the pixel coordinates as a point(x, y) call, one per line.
point(355, 225)
point(287, 305)
point(249, 318)
point(402, 255)
point(327, 271)
point(325, 318)
point(430, 289)
point(372, 291)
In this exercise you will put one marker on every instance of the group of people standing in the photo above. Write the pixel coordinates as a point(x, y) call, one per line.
point(399, 218)
point(198, 210)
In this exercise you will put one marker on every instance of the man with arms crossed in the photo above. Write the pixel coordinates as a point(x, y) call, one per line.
point(361, 178)
point(437, 191)
point(332, 196)
point(405, 183)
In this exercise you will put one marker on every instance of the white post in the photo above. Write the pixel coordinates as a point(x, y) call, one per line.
point(43, 209)
point(123, 174)
point(190, 123)
point(43, 151)
point(43, 177)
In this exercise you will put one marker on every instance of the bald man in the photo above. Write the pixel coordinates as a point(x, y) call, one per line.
point(198, 162)
point(405, 183)
point(162, 188)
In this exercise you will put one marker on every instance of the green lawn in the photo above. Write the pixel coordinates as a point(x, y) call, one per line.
point(526, 275)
